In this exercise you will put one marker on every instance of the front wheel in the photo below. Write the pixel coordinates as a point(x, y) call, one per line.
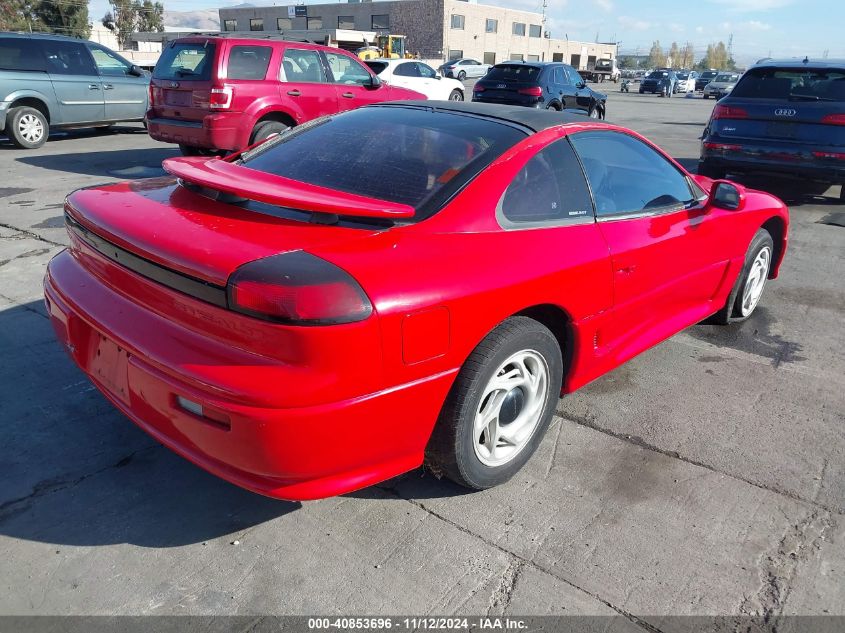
point(27, 127)
point(456, 95)
point(748, 288)
point(595, 114)
point(499, 406)
point(462, 75)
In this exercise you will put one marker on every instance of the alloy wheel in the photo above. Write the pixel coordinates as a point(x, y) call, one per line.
point(755, 281)
point(30, 128)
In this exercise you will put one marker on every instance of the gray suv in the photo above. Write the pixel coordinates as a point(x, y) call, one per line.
point(52, 81)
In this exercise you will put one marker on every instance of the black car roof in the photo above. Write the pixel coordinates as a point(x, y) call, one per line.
point(42, 36)
point(535, 120)
point(795, 62)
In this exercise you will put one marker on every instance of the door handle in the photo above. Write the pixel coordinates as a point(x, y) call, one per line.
point(294, 93)
point(348, 95)
point(93, 87)
point(107, 86)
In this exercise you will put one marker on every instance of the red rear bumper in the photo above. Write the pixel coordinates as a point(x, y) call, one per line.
point(291, 453)
point(215, 131)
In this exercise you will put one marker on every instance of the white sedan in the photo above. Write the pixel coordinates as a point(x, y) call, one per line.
point(414, 75)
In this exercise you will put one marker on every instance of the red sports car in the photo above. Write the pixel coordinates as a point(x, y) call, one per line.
point(399, 284)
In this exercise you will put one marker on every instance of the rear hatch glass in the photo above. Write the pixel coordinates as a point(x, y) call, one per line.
point(412, 156)
point(377, 67)
point(188, 61)
point(513, 73)
point(181, 82)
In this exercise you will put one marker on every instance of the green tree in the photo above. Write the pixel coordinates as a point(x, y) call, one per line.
point(150, 15)
point(687, 56)
point(65, 17)
point(124, 21)
point(674, 56)
point(18, 15)
point(656, 56)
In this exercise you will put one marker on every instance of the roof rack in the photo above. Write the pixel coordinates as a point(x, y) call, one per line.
point(251, 35)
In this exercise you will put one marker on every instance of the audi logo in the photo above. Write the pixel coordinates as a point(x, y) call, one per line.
point(785, 112)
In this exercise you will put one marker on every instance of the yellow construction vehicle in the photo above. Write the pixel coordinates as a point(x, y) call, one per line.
point(386, 46)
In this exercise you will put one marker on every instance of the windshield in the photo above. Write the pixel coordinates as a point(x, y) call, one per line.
point(401, 154)
point(513, 72)
point(708, 75)
point(810, 84)
point(377, 67)
point(603, 63)
point(726, 79)
point(190, 61)
point(683, 75)
point(657, 74)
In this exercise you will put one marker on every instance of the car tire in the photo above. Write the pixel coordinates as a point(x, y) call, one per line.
point(190, 150)
point(267, 129)
point(842, 194)
point(595, 113)
point(744, 298)
point(462, 75)
point(641, 91)
point(710, 171)
point(27, 127)
point(456, 95)
point(554, 106)
point(459, 448)
point(704, 96)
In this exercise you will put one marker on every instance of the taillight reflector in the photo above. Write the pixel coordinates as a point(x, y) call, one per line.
point(729, 112)
point(834, 119)
point(478, 88)
point(830, 155)
point(220, 98)
point(723, 147)
point(297, 288)
point(533, 91)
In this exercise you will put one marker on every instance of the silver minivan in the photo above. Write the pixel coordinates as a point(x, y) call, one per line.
point(53, 81)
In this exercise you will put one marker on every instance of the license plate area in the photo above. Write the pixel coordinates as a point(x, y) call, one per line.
point(177, 97)
point(777, 129)
point(110, 367)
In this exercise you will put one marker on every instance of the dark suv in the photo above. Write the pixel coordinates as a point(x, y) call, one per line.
point(783, 117)
point(705, 78)
point(550, 85)
point(662, 81)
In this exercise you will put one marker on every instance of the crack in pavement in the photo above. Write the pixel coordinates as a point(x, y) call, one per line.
point(778, 567)
point(521, 559)
point(636, 440)
point(46, 487)
point(500, 599)
point(29, 234)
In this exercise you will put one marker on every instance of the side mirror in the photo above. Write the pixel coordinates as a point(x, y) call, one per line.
point(581, 84)
point(136, 71)
point(374, 82)
point(727, 195)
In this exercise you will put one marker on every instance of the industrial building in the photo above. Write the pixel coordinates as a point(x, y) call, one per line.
point(435, 29)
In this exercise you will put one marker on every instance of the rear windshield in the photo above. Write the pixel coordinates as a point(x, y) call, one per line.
point(515, 72)
point(726, 79)
point(377, 67)
point(186, 60)
point(658, 74)
point(795, 84)
point(404, 155)
point(708, 74)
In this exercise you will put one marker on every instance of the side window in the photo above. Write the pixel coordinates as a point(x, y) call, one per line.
point(628, 176)
point(549, 189)
point(346, 70)
point(68, 58)
point(408, 69)
point(302, 67)
point(248, 62)
point(109, 64)
point(21, 54)
point(574, 76)
point(560, 77)
point(426, 71)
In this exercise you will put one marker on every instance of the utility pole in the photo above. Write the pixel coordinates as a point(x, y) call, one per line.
point(731, 47)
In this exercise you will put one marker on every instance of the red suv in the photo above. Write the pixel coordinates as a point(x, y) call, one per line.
point(211, 93)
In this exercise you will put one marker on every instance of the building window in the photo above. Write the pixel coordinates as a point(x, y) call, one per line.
point(517, 58)
point(492, 26)
point(314, 24)
point(230, 25)
point(453, 55)
point(284, 24)
point(380, 22)
point(346, 21)
point(535, 30)
point(457, 21)
point(256, 24)
point(519, 28)
point(490, 58)
point(533, 58)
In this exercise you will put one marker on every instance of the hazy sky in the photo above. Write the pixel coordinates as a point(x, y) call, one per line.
point(760, 27)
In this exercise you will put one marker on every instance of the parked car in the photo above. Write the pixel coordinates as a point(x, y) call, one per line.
point(721, 85)
point(213, 94)
point(662, 81)
point(414, 75)
point(705, 78)
point(50, 82)
point(333, 307)
point(686, 80)
point(462, 68)
point(549, 85)
point(784, 117)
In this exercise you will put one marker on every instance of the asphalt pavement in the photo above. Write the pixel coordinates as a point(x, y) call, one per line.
point(706, 476)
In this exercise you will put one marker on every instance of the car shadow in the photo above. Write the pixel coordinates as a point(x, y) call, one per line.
point(124, 163)
point(58, 135)
point(77, 472)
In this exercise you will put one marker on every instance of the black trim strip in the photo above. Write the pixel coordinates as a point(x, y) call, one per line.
point(191, 286)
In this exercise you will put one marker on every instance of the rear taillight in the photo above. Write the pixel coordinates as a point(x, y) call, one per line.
point(477, 88)
point(830, 155)
point(722, 147)
point(220, 98)
point(155, 95)
point(297, 288)
point(834, 119)
point(729, 112)
point(533, 91)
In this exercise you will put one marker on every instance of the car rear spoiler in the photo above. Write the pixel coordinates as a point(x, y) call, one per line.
point(252, 184)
